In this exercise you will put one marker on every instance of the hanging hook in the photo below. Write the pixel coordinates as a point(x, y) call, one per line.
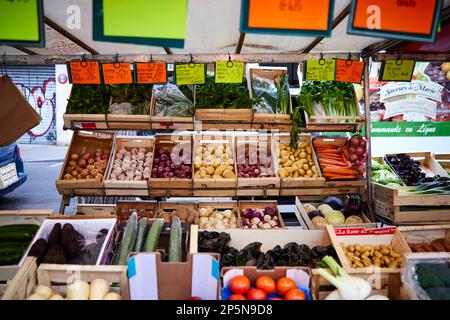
point(191, 62)
point(321, 60)
point(83, 62)
point(229, 63)
point(398, 61)
point(349, 61)
point(151, 57)
point(116, 61)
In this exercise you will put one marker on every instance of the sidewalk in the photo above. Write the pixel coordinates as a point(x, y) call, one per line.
point(42, 153)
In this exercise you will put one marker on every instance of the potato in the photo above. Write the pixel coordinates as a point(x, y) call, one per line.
point(296, 163)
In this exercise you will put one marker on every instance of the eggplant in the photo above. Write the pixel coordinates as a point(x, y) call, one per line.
point(334, 202)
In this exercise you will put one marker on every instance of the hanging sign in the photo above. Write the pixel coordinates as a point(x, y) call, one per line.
point(320, 70)
point(84, 72)
point(349, 71)
point(229, 72)
point(397, 70)
point(190, 73)
point(287, 17)
point(116, 73)
point(22, 23)
point(414, 20)
point(150, 72)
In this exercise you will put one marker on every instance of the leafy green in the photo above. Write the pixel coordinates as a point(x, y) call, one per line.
point(138, 95)
point(271, 96)
point(173, 101)
point(88, 99)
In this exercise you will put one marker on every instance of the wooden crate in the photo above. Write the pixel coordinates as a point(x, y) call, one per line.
point(84, 142)
point(144, 209)
point(260, 205)
point(297, 186)
point(57, 276)
point(172, 187)
point(97, 210)
point(211, 187)
point(171, 207)
point(262, 186)
point(398, 206)
point(223, 119)
point(121, 187)
point(223, 205)
point(424, 235)
point(85, 121)
point(443, 159)
point(128, 122)
point(363, 236)
point(303, 216)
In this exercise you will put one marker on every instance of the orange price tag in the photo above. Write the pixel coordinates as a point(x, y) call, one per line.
point(84, 72)
point(349, 71)
point(151, 72)
point(117, 73)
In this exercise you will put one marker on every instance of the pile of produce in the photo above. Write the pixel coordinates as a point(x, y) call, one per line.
point(65, 245)
point(296, 162)
point(14, 240)
point(432, 185)
point(292, 254)
point(264, 288)
point(168, 164)
point(335, 163)
point(382, 174)
point(255, 164)
point(89, 99)
point(271, 95)
point(185, 214)
point(212, 218)
point(131, 164)
point(98, 289)
point(130, 99)
point(357, 148)
point(335, 211)
point(173, 101)
point(214, 161)
point(267, 218)
point(86, 166)
point(437, 245)
point(364, 256)
point(406, 168)
point(434, 278)
point(222, 95)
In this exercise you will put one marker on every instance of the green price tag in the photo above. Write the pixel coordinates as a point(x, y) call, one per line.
point(320, 70)
point(229, 72)
point(397, 70)
point(190, 73)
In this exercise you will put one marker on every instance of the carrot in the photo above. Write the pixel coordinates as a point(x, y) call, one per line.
point(332, 162)
point(340, 177)
point(329, 151)
point(337, 167)
point(340, 171)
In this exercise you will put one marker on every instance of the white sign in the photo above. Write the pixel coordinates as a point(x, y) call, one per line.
point(429, 90)
point(422, 106)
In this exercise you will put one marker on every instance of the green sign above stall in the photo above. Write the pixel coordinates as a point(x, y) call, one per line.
point(410, 129)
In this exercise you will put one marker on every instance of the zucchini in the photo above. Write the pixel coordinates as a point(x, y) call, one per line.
point(175, 240)
point(14, 244)
point(142, 225)
point(16, 236)
point(19, 227)
point(10, 250)
point(128, 240)
point(12, 258)
point(151, 242)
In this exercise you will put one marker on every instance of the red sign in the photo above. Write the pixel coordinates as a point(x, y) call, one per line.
point(151, 72)
point(363, 231)
point(84, 72)
point(349, 71)
point(117, 73)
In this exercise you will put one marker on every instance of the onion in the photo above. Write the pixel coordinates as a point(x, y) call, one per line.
point(352, 150)
point(67, 176)
point(91, 161)
point(354, 140)
point(74, 156)
point(82, 163)
point(353, 157)
point(72, 163)
point(86, 156)
point(363, 143)
point(360, 151)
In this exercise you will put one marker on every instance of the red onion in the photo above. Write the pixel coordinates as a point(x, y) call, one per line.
point(360, 151)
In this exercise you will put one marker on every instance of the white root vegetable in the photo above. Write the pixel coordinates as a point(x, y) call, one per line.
point(56, 297)
point(36, 296)
point(334, 295)
point(98, 289)
point(377, 297)
point(79, 290)
point(43, 291)
point(112, 296)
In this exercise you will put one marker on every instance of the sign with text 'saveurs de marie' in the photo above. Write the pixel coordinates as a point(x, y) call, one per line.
point(287, 17)
point(84, 72)
point(397, 70)
point(414, 20)
point(320, 70)
point(116, 73)
point(22, 23)
point(190, 73)
point(229, 72)
point(349, 71)
point(150, 72)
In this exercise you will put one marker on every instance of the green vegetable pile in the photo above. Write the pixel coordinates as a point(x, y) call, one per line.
point(432, 185)
point(434, 278)
point(271, 96)
point(382, 174)
point(138, 95)
point(173, 101)
point(89, 99)
point(222, 95)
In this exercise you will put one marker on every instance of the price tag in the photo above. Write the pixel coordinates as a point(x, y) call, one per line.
point(320, 70)
point(349, 71)
point(190, 73)
point(84, 72)
point(229, 72)
point(150, 72)
point(117, 73)
point(397, 70)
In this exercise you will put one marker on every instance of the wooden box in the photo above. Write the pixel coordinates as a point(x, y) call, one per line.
point(57, 276)
point(170, 207)
point(260, 205)
point(214, 187)
point(173, 187)
point(84, 142)
point(444, 160)
point(96, 210)
point(223, 205)
point(85, 121)
point(425, 235)
point(128, 122)
point(223, 119)
point(144, 209)
point(122, 187)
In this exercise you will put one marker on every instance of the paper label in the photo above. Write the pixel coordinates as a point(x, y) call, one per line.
point(363, 231)
point(193, 73)
point(151, 72)
point(397, 70)
point(117, 73)
point(349, 71)
point(320, 70)
point(229, 72)
point(84, 72)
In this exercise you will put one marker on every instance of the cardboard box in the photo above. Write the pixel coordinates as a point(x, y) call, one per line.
point(152, 279)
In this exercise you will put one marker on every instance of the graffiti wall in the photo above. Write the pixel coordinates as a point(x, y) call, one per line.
point(37, 83)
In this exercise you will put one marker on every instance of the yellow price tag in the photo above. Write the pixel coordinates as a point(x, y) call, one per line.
point(229, 72)
point(320, 70)
point(397, 70)
point(190, 73)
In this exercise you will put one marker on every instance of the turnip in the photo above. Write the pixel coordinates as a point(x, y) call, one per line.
point(98, 289)
point(43, 291)
point(79, 290)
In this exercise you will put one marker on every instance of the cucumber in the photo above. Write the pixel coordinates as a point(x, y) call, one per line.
point(14, 244)
point(175, 240)
point(12, 258)
point(142, 225)
point(10, 250)
point(128, 240)
point(16, 236)
point(19, 227)
point(151, 242)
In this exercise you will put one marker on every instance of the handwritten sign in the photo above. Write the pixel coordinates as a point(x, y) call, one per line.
point(349, 71)
point(117, 73)
point(229, 72)
point(397, 70)
point(320, 70)
point(150, 72)
point(84, 72)
point(190, 73)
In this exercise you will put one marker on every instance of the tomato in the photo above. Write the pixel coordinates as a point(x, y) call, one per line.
point(239, 284)
point(237, 297)
point(256, 294)
point(284, 284)
point(295, 294)
point(266, 283)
